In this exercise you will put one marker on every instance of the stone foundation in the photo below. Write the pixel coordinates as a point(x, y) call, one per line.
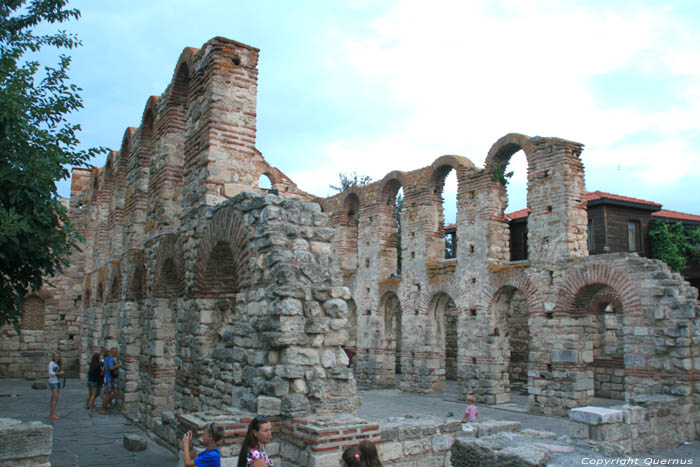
point(647, 423)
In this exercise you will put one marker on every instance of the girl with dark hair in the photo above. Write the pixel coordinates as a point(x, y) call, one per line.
point(253, 450)
point(54, 373)
point(351, 457)
point(93, 381)
point(211, 456)
point(369, 454)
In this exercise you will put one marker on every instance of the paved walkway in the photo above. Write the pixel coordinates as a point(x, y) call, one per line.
point(80, 437)
point(83, 438)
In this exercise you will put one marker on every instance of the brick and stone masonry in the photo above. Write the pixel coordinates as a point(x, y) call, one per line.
point(221, 295)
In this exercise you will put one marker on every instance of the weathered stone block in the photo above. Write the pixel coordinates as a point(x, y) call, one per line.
point(133, 442)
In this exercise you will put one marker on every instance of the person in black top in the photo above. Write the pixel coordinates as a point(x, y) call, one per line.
point(93, 381)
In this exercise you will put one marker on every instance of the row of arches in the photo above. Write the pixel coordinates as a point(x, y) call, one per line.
point(481, 196)
point(466, 340)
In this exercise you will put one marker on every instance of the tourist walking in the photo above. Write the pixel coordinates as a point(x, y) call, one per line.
point(112, 365)
point(93, 381)
point(54, 373)
point(253, 449)
point(211, 456)
point(369, 454)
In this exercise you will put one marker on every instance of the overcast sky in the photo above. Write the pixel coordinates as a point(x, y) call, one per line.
point(374, 86)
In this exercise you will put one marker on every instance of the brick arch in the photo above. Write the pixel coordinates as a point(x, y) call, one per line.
point(517, 280)
point(187, 59)
point(136, 281)
point(169, 267)
point(115, 287)
point(270, 176)
point(428, 292)
point(352, 195)
point(582, 283)
point(505, 147)
point(460, 164)
point(388, 184)
point(223, 253)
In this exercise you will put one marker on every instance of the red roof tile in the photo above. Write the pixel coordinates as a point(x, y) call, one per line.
point(595, 195)
point(519, 214)
point(675, 215)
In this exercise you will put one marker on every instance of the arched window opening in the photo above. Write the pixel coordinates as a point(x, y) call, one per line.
point(390, 233)
point(221, 271)
point(170, 281)
point(443, 313)
point(513, 175)
point(347, 231)
point(99, 297)
point(265, 182)
point(599, 313)
point(510, 308)
point(115, 291)
point(445, 195)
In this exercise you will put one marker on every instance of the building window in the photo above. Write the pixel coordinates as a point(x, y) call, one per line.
point(591, 236)
point(634, 242)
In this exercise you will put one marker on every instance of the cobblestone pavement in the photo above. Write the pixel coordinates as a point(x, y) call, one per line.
point(85, 438)
point(80, 437)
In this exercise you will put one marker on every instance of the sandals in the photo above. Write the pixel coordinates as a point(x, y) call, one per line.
point(54, 416)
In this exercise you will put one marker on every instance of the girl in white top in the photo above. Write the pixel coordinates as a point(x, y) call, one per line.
point(54, 373)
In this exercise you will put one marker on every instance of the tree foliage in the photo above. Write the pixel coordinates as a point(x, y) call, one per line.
point(37, 142)
point(348, 180)
point(499, 174)
point(674, 243)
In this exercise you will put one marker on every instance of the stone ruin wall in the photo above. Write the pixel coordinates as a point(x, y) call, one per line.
point(221, 299)
point(562, 327)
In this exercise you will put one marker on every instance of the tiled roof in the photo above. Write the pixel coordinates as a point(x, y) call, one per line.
point(519, 214)
point(675, 215)
point(451, 226)
point(595, 195)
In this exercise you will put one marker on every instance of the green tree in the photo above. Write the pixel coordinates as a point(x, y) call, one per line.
point(37, 142)
point(674, 243)
point(348, 180)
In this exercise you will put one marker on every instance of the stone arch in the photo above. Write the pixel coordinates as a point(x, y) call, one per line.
point(511, 334)
point(169, 268)
point(347, 229)
point(442, 336)
point(439, 171)
point(100, 294)
point(600, 320)
point(115, 288)
point(390, 309)
point(223, 255)
point(186, 59)
point(136, 286)
point(389, 236)
point(569, 297)
point(265, 179)
point(502, 150)
point(517, 279)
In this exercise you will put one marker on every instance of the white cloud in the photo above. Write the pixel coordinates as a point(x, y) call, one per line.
point(467, 73)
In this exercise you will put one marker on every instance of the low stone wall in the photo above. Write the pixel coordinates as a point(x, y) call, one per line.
point(24, 443)
point(413, 442)
point(647, 423)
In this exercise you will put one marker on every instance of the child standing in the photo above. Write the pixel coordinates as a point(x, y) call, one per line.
point(471, 412)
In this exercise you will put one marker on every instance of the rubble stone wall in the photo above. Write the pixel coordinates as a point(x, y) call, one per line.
point(647, 423)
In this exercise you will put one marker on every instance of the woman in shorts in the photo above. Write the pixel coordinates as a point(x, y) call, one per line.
point(54, 373)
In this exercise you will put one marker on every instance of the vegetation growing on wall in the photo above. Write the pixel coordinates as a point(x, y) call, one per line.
point(675, 244)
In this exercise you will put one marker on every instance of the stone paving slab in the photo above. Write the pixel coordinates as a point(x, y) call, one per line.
point(80, 438)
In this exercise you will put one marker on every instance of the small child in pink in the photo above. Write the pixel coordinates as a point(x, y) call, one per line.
point(471, 412)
